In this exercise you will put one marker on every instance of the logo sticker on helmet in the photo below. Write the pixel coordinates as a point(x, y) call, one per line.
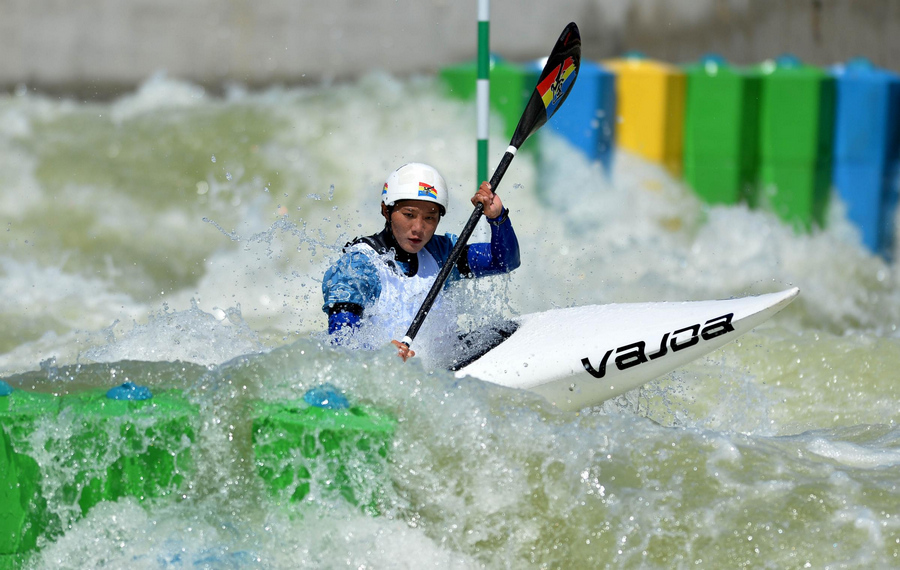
point(427, 191)
point(384, 190)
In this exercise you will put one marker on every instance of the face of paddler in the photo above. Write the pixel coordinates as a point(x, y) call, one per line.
point(413, 222)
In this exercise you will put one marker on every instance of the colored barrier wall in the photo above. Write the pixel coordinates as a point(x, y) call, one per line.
point(867, 149)
point(721, 131)
point(650, 109)
point(779, 135)
point(796, 136)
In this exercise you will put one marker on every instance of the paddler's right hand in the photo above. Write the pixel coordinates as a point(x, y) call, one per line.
point(493, 205)
point(403, 351)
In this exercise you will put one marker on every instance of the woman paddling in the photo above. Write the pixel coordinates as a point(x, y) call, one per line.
point(380, 280)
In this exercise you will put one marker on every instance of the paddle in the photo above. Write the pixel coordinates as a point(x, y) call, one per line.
point(552, 88)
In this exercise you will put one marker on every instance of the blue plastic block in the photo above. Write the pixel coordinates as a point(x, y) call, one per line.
point(588, 118)
point(326, 396)
point(129, 391)
point(867, 149)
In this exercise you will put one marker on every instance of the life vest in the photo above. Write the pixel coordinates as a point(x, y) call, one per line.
point(400, 299)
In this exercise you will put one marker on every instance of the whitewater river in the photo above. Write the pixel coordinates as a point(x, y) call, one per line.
point(189, 232)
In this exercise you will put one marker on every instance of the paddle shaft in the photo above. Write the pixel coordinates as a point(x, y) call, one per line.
point(457, 250)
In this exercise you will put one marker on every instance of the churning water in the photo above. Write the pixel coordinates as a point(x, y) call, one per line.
point(178, 239)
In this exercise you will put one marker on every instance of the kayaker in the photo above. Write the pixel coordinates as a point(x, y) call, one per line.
point(380, 281)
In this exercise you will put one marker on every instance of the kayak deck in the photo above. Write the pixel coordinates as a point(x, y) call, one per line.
point(581, 356)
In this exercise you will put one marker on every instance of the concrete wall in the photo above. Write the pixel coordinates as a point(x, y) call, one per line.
point(95, 47)
point(821, 32)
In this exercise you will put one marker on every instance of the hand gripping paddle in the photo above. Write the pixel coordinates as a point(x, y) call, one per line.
point(553, 87)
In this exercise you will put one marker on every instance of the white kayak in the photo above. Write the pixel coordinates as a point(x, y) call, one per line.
point(581, 356)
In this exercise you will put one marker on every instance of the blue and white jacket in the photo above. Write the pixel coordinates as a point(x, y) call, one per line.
point(376, 279)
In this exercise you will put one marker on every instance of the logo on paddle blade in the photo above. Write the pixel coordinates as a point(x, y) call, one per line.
point(557, 84)
point(635, 353)
point(426, 190)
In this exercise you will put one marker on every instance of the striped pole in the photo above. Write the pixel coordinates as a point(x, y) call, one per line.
point(483, 86)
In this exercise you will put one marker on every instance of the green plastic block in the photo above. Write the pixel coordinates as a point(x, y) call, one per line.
point(23, 509)
point(796, 135)
point(721, 131)
point(807, 201)
point(510, 88)
point(141, 449)
point(301, 448)
point(23, 514)
point(14, 561)
point(459, 80)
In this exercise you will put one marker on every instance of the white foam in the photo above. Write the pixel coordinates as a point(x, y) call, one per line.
point(854, 455)
point(190, 336)
point(158, 92)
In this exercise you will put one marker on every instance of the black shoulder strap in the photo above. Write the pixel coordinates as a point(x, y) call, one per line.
point(382, 243)
point(375, 241)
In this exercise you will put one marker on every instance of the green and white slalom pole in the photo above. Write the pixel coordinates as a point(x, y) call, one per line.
point(482, 86)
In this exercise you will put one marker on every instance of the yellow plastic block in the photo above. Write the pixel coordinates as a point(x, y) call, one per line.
point(650, 98)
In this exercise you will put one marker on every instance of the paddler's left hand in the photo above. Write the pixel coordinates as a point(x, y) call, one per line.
point(493, 206)
point(403, 351)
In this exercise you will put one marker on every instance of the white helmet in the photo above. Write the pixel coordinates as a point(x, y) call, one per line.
point(415, 181)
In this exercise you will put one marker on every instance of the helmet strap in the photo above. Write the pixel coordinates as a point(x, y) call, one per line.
point(387, 212)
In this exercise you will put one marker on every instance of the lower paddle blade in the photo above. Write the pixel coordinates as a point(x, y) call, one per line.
point(555, 83)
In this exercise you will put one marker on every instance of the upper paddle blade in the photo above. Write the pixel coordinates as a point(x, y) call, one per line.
point(556, 80)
